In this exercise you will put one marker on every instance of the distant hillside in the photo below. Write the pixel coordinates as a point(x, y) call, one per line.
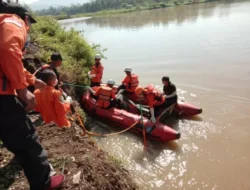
point(108, 5)
point(45, 4)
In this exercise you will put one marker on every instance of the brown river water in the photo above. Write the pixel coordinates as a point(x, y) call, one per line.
point(205, 49)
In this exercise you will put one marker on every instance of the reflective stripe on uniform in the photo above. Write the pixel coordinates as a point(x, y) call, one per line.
point(8, 20)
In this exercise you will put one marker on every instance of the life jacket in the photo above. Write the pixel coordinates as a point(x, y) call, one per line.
point(96, 70)
point(133, 84)
point(158, 97)
point(104, 97)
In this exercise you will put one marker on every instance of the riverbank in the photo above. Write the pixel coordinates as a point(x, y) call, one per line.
point(152, 6)
point(68, 151)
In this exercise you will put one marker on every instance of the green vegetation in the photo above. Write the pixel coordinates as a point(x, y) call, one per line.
point(76, 52)
point(101, 7)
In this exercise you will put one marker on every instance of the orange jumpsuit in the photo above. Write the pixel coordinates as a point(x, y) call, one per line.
point(98, 71)
point(51, 106)
point(153, 98)
point(12, 39)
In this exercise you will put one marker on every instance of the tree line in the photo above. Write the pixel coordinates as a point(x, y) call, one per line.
point(99, 5)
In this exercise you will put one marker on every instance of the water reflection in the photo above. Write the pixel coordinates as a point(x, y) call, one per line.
point(178, 15)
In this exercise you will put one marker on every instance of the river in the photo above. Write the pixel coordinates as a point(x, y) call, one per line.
point(205, 50)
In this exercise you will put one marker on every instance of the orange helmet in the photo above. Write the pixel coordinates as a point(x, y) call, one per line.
point(138, 90)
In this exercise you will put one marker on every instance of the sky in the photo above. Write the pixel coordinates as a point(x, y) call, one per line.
point(43, 4)
point(27, 1)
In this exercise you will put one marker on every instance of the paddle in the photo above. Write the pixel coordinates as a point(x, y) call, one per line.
point(144, 130)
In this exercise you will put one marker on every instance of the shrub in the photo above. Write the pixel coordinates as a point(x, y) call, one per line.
point(78, 55)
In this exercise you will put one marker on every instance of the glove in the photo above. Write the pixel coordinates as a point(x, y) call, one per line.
point(153, 120)
point(92, 76)
point(89, 75)
point(69, 100)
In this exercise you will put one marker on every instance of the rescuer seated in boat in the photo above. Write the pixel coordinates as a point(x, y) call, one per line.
point(169, 92)
point(129, 83)
point(50, 103)
point(96, 72)
point(106, 97)
point(154, 99)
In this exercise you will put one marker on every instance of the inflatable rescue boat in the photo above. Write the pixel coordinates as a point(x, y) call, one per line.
point(156, 131)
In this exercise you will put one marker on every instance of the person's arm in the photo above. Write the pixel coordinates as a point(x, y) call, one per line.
point(171, 95)
point(119, 92)
point(100, 73)
point(125, 80)
point(33, 81)
point(62, 107)
point(113, 95)
point(29, 77)
point(37, 97)
point(95, 93)
point(13, 67)
point(152, 112)
point(173, 89)
point(37, 72)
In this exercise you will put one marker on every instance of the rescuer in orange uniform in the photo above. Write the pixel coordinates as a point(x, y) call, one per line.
point(130, 82)
point(50, 102)
point(153, 98)
point(96, 72)
point(16, 130)
point(105, 95)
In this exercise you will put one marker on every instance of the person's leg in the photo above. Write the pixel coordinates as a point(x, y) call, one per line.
point(92, 84)
point(170, 101)
point(157, 110)
point(112, 104)
point(19, 136)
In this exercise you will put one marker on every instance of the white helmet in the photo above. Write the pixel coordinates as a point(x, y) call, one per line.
point(128, 69)
point(111, 82)
point(98, 56)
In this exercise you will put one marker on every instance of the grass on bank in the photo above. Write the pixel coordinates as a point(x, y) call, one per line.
point(129, 8)
point(78, 55)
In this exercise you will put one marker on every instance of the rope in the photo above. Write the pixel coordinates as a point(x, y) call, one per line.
point(75, 85)
point(85, 131)
point(111, 134)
